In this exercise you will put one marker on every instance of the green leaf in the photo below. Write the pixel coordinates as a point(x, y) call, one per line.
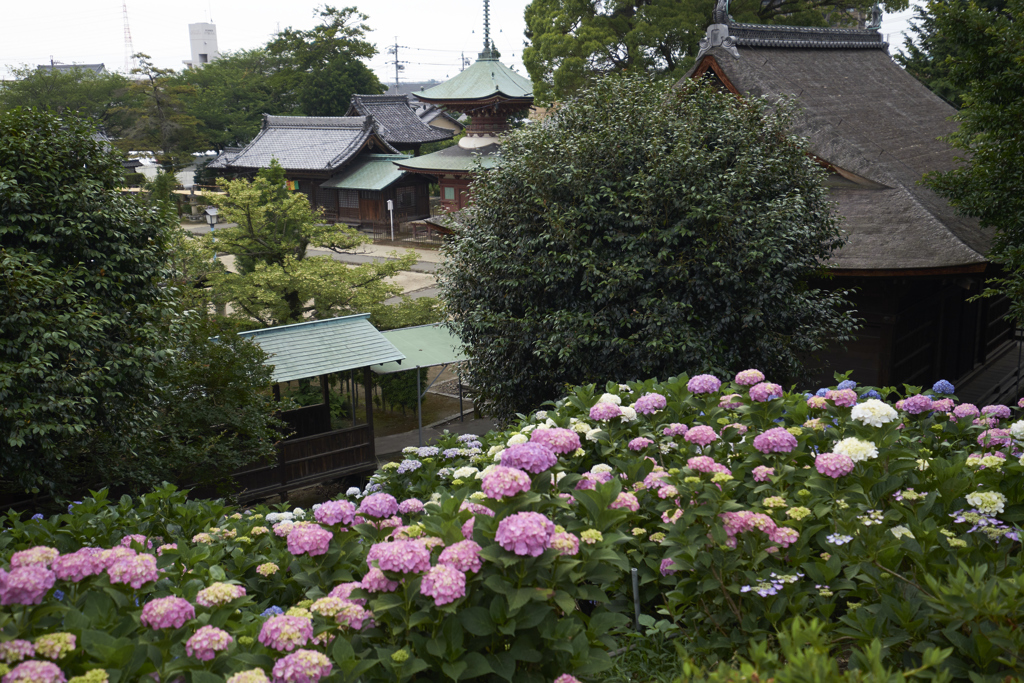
point(477, 621)
point(454, 669)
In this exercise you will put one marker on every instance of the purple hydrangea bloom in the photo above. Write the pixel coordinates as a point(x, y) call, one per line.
point(847, 384)
point(703, 384)
point(942, 387)
point(765, 391)
point(639, 443)
point(534, 457)
point(379, 505)
point(444, 583)
point(504, 481)
point(650, 403)
point(525, 533)
point(559, 440)
point(776, 440)
point(408, 466)
point(604, 411)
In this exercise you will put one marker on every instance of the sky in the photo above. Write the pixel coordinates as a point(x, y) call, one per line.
point(432, 36)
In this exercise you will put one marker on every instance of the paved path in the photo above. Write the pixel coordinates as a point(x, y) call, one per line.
point(390, 447)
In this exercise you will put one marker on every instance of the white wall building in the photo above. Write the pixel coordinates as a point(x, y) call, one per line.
point(204, 44)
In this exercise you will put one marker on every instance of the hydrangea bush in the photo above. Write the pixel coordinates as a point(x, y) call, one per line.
point(888, 518)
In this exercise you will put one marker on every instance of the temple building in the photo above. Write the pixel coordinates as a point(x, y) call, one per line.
point(488, 92)
point(397, 121)
point(913, 263)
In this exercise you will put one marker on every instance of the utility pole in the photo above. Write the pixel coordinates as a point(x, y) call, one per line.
point(399, 66)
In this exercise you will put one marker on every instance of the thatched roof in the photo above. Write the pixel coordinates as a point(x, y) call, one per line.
point(873, 124)
point(396, 120)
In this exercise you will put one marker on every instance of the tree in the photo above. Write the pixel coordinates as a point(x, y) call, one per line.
point(572, 42)
point(926, 52)
point(101, 97)
point(986, 62)
point(278, 281)
point(82, 299)
point(603, 248)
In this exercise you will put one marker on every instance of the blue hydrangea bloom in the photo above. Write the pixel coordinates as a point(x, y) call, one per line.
point(58, 594)
point(847, 384)
point(409, 466)
point(821, 392)
point(271, 611)
point(38, 515)
point(871, 393)
point(942, 387)
point(468, 437)
point(428, 451)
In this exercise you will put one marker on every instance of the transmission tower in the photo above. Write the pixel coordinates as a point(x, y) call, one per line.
point(129, 61)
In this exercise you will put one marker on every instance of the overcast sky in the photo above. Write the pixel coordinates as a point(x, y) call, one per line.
point(432, 36)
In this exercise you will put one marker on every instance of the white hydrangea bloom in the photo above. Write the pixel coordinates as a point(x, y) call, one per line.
point(550, 423)
point(610, 398)
point(858, 449)
point(1017, 429)
point(481, 473)
point(517, 439)
point(435, 497)
point(410, 450)
point(541, 415)
point(465, 472)
point(527, 429)
point(495, 449)
point(497, 456)
point(628, 414)
point(299, 513)
point(873, 412)
point(989, 502)
point(353, 491)
point(555, 478)
point(624, 387)
point(580, 427)
point(922, 464)
point(598, 469)
point(901, 531)
point(592, 434)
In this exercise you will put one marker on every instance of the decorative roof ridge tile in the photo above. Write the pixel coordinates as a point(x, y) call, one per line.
point(771, 35)
point(322, 122)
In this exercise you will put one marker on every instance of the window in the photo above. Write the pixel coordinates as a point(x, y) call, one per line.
point(405, 197)
point(449, 193)
point(348, 199)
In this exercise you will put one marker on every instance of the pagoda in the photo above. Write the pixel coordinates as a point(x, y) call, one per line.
point(488, 92)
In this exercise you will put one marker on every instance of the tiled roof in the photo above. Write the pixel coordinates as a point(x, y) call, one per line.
point(483, 79)
point(323, 346)
point(395, 119)
point(454, 158)
point(368, 172)
point(306, 143)
point(768, 35)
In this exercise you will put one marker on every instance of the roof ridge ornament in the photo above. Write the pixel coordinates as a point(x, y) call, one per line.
point(876, 18)
point(489, 51)
point(718, 32)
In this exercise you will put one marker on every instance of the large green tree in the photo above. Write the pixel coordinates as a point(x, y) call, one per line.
point(574, 41)
point(278, 281)
point(602, 248)
point(102, 97)
point(323, 67)
point(986, 63)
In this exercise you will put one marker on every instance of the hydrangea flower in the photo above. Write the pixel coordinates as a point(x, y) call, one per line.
point(650, 403)
point(408, 466)
point(501, 482)
point(353, 616)
point(566, 678)
point(838, 539)
point(966, 410)
point(625, 500)
point(834, 465)
point(169, 612)
point(410, 506)
point(535, 457)
point(776, 440)
point(668, 564)
point(525, 533)
point(639, 443)
point(703, 384)
point(375, 582)
point(403, 557)
point(207, 642)
point(846, 384)
point(309, 539)
point(591, 536)
point(464, 556)
point(25, 585)
point(557, 439)
point(748, 378)
point(701, 435)
point(999, 411)
point(40, 554)
point(444, 583)
point(988, 502)
point(55, 645)
point(284, 633)
point(817, 402)
point(873, 412)
point(761, 473)
point(565, 543)
point(915, 405)
point(34, 671)
point(335, 512)
point(858, 449)
point(302, 666)
point(844, 398)
point(16, 650)
point(378, 505)
point(78, 565)
point(602, 412)
point(942, 387)
point(765, 391)
point(675, 429)
point(219, 594)
point(249, 676)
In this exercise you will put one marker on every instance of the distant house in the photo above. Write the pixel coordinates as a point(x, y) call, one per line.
point(341, 163)
point(914, 262)
point(396, 121)
point(64, 68)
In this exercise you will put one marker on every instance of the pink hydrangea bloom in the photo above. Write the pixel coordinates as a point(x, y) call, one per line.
point(207, 642)
point(170, 612)
point(403, 557)
point(335, 512)
point(1020, 403)
point(165, 547)
point(34, 671)
point(353, 615)
point(761, 473)
point(557, 439)
point(667, 567)
point(943, 405)
point(701, 435)
point(701, 463)
point(834, 465)
point(668, 491)
point(309, 538)
point(410, 506)
point(525, 533)
point(134, 571)
point(650, 403)
point(108, 557)
point(218, 594)
point(443, 583)
point(655, 479)
point(703, 384)
point(775, 440)
point(379, 505)
point(749, 378)
point(55, 645)
point(40, 554)
point(281, 529)
point(967, 410)
point(78, 565)
point(603, 412)
point(625, 500)
point(999, 411)
point(817, 402)
point(502, 482)
point(995, 437)
point(344, 591)
point(727, 402)
point(25, 585)
point(476, 508)
point(639, 443)
point(741, 429)
point(671, 517)
point(765, 391)
point(675, 429)
point(529, 457)
point(302, 666)
point(16, 650)
point(844, 398)
point(565, 543)
point(284, 633)
point(137, 538)
point(566, 678)
point(467, 528)
point(376, 582)
point(250, 676)
point(464, 556)
point(915, 405)
point(783, 536)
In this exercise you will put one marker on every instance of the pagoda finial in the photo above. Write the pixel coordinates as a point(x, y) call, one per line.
point(489, 51)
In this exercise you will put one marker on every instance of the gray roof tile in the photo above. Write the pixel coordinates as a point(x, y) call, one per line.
point(396, 120)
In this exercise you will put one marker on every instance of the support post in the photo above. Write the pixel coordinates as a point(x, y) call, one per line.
point(462, 412)
point(419, 404)
point(636, 597)
point(368, 381)
point(277, 392)
point(352, 394)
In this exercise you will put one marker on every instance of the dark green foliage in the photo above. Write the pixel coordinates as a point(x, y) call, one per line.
point(573, 42)
point(601, 247)
point(986, 61)
point(100, 97)
point(82, 300)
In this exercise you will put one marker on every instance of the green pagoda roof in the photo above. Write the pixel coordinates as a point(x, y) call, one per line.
point(484, 79)
point(453, 158)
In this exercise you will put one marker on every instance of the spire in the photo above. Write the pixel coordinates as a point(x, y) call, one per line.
point(489, 51)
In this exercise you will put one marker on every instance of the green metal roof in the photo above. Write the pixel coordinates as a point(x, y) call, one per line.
point(368, 172)
point(454, 158)
point(424, 346)
point(485, 78)
point(322, 346)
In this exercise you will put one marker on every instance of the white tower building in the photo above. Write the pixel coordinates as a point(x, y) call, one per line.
point(204, 43)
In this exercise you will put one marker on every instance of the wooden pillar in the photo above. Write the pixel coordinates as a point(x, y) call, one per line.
point(368, 380)
point(277, 392)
